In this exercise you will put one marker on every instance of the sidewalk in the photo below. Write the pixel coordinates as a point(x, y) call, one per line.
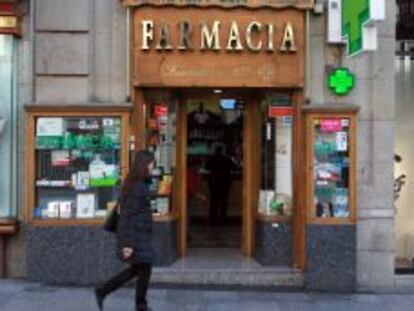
point(21, 296)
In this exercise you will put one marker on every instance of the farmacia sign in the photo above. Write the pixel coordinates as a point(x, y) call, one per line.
point(216, 36)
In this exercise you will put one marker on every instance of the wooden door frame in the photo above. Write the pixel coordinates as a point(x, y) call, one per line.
point(251, 171)
point(182, 172)
point(298, 221)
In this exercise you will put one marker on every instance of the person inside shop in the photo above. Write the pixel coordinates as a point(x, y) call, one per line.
point(194, 193)
point(219, 167)
point(134, 233)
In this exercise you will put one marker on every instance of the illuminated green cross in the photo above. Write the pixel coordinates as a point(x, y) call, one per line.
point(341, 81)
point(355, 13)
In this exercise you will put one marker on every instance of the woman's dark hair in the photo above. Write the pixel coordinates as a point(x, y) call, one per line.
point(139, 169)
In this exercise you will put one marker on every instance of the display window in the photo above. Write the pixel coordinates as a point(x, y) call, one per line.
point(160, 138)
point(276, 191)
point(331, 167)
point(77, 165)
point(331, 159)
point(8, 116)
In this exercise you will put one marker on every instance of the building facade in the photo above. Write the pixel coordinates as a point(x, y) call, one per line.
point(96, 80)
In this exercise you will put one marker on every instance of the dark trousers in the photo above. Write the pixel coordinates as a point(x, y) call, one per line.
point(141, 271)
point(218, 202)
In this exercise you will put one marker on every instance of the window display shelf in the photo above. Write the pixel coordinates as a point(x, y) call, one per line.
point(273, 218)
point(76, 161)
point(165, 218)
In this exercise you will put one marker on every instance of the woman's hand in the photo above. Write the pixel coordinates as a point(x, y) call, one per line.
point(127, 252)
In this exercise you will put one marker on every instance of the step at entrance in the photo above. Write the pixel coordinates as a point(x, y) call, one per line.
point(225, 267)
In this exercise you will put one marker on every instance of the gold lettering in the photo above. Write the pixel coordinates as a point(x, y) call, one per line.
point(185, 36)
point(250, 28)
point(147, 34)
point(234, 42)
point(288, 43)
point(210, 40)
point(270, 35)
point(164, 42)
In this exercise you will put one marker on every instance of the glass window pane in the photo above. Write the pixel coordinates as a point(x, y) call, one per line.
point(331, 162)
point(77, 166)
point(161, 140)
point(276, 190)
point(6, 124)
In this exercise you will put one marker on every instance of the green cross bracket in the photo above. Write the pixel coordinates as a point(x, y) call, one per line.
point(341, 81)
point(355, 14)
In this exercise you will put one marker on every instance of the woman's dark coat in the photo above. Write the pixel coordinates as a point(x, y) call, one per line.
point(135, 224)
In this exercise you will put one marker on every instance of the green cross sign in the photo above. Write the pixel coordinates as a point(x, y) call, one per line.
point(341, 81)
point(355, 14)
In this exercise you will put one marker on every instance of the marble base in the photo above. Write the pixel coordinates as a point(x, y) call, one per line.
point(86, 255)
point(331, 258)
point(273, 244)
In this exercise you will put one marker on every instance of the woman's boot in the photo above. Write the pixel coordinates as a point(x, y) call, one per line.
point(100, 296)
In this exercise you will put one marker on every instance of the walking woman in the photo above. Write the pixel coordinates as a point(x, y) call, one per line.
point(134, 233)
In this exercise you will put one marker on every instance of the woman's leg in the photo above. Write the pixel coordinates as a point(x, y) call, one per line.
point(117, 281)
point(143, 272)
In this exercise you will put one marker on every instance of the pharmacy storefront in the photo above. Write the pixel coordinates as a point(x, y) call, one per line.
point(242, 163)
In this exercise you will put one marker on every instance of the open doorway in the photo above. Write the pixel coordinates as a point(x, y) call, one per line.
point(214, 172)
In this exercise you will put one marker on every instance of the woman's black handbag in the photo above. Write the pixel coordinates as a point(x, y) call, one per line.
point(111, 221)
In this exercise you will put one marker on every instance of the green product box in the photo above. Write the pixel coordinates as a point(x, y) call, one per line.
point(49, 142)
point(104, 182)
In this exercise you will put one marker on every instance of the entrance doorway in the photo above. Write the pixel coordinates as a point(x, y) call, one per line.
point(241, 201)
point(215, 171)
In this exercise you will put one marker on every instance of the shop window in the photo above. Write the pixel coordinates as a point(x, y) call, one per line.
point(77, 164)
point(160, 138)
point(331, 153)
point(7, 126)
point(275, 198)
point(331, 167)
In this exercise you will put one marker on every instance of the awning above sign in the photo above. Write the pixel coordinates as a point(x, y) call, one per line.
point(300, 4)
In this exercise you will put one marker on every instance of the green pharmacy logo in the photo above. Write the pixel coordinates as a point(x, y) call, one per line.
point(355, 14)
point(341, 81)
point(355, 22)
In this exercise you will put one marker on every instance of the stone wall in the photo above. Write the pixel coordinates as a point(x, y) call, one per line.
point(374, 93)
point(80, 52)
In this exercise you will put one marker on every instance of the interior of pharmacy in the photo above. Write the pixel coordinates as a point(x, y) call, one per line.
point(214, 172)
